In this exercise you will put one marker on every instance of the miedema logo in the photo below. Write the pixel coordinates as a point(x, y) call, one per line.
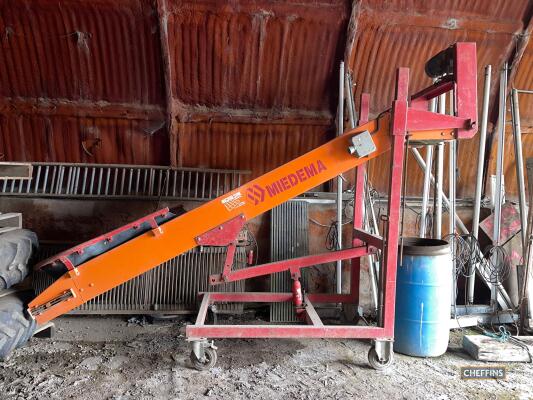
point(256, 193)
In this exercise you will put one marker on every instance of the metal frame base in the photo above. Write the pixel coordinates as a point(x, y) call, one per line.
point(314, 328)
point(380, 355)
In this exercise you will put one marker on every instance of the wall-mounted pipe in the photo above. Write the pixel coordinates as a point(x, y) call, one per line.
point(479, 176)
point(349, 98)
point(427, 180)
point(340, 131)
point(498, 196)
point(519, 162)
point(439, 177)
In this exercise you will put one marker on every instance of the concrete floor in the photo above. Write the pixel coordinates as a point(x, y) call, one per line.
point(109, 358)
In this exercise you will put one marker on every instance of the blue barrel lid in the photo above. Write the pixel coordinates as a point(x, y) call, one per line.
point(415, 246)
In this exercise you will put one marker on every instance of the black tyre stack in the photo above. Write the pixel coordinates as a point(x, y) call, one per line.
point(16, 326)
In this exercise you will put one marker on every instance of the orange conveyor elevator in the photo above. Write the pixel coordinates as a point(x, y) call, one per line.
point(158, 237)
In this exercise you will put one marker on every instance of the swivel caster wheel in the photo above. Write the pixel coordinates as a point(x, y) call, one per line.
point(209, 361)
point(203, 355)
point(377, 363)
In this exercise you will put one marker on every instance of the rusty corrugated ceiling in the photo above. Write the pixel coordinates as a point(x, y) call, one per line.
point(228, 84)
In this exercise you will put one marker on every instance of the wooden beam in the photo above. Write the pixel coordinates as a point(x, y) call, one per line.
point(450, 21)
point(311, 314)
point(162, 16)
point(179, 112)
point(80, 108)
point(195, 113)
point(521, 46)
point(319, 11)
point(513, 54)
point(10, 222)
point(202, 312)
point(15, 170)
point(353, 24)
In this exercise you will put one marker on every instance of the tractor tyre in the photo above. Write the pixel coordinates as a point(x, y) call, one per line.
point(16, 327)
point(16, 249)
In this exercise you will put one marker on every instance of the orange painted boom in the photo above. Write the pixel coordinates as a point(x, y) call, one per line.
point(177, 236)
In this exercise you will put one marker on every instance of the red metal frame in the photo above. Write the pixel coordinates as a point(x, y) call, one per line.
point(218, 221)
point(464, 86)
point(363, 242)
point(314, 329)
point(223, 234)
point(403, 119)
point(390, 252)
point(293, 265)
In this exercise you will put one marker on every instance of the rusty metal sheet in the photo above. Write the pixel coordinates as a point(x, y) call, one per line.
point(524, 80)
point(257, 54)
point(509, 166)
point(87, 140)
point(386, 41)
point(399, 33)
point(81, 82)
point(99, 50)
point(478, 10)
point(92, 73)
point(256, 147)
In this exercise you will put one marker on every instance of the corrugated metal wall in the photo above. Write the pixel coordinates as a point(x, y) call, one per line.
point(81, 82)
point(259, 147)
point(185, 82)
point(256, 54)
point(406, 33)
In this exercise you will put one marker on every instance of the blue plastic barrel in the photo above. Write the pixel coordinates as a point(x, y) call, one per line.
point(423, 293)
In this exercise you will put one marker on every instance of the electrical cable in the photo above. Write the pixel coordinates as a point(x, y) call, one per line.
point(502, 336)
point(332, 242)
point(494, 262)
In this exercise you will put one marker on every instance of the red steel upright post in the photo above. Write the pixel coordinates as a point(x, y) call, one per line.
point(358, 206)
point(388, 270)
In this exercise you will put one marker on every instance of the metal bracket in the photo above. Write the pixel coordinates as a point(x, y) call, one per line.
point(223, 234)
point(383, 349)
point(156, 229)
point(65, 296)
point(199, 346)
point(362, 145)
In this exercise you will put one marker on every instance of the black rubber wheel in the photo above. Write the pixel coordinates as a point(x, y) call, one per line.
point(16, 250)
point(376, 363)
point(16, 327)
point(209, 362)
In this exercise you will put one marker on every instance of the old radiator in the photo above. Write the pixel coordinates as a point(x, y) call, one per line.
point(170, 288)
point(289, 238)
